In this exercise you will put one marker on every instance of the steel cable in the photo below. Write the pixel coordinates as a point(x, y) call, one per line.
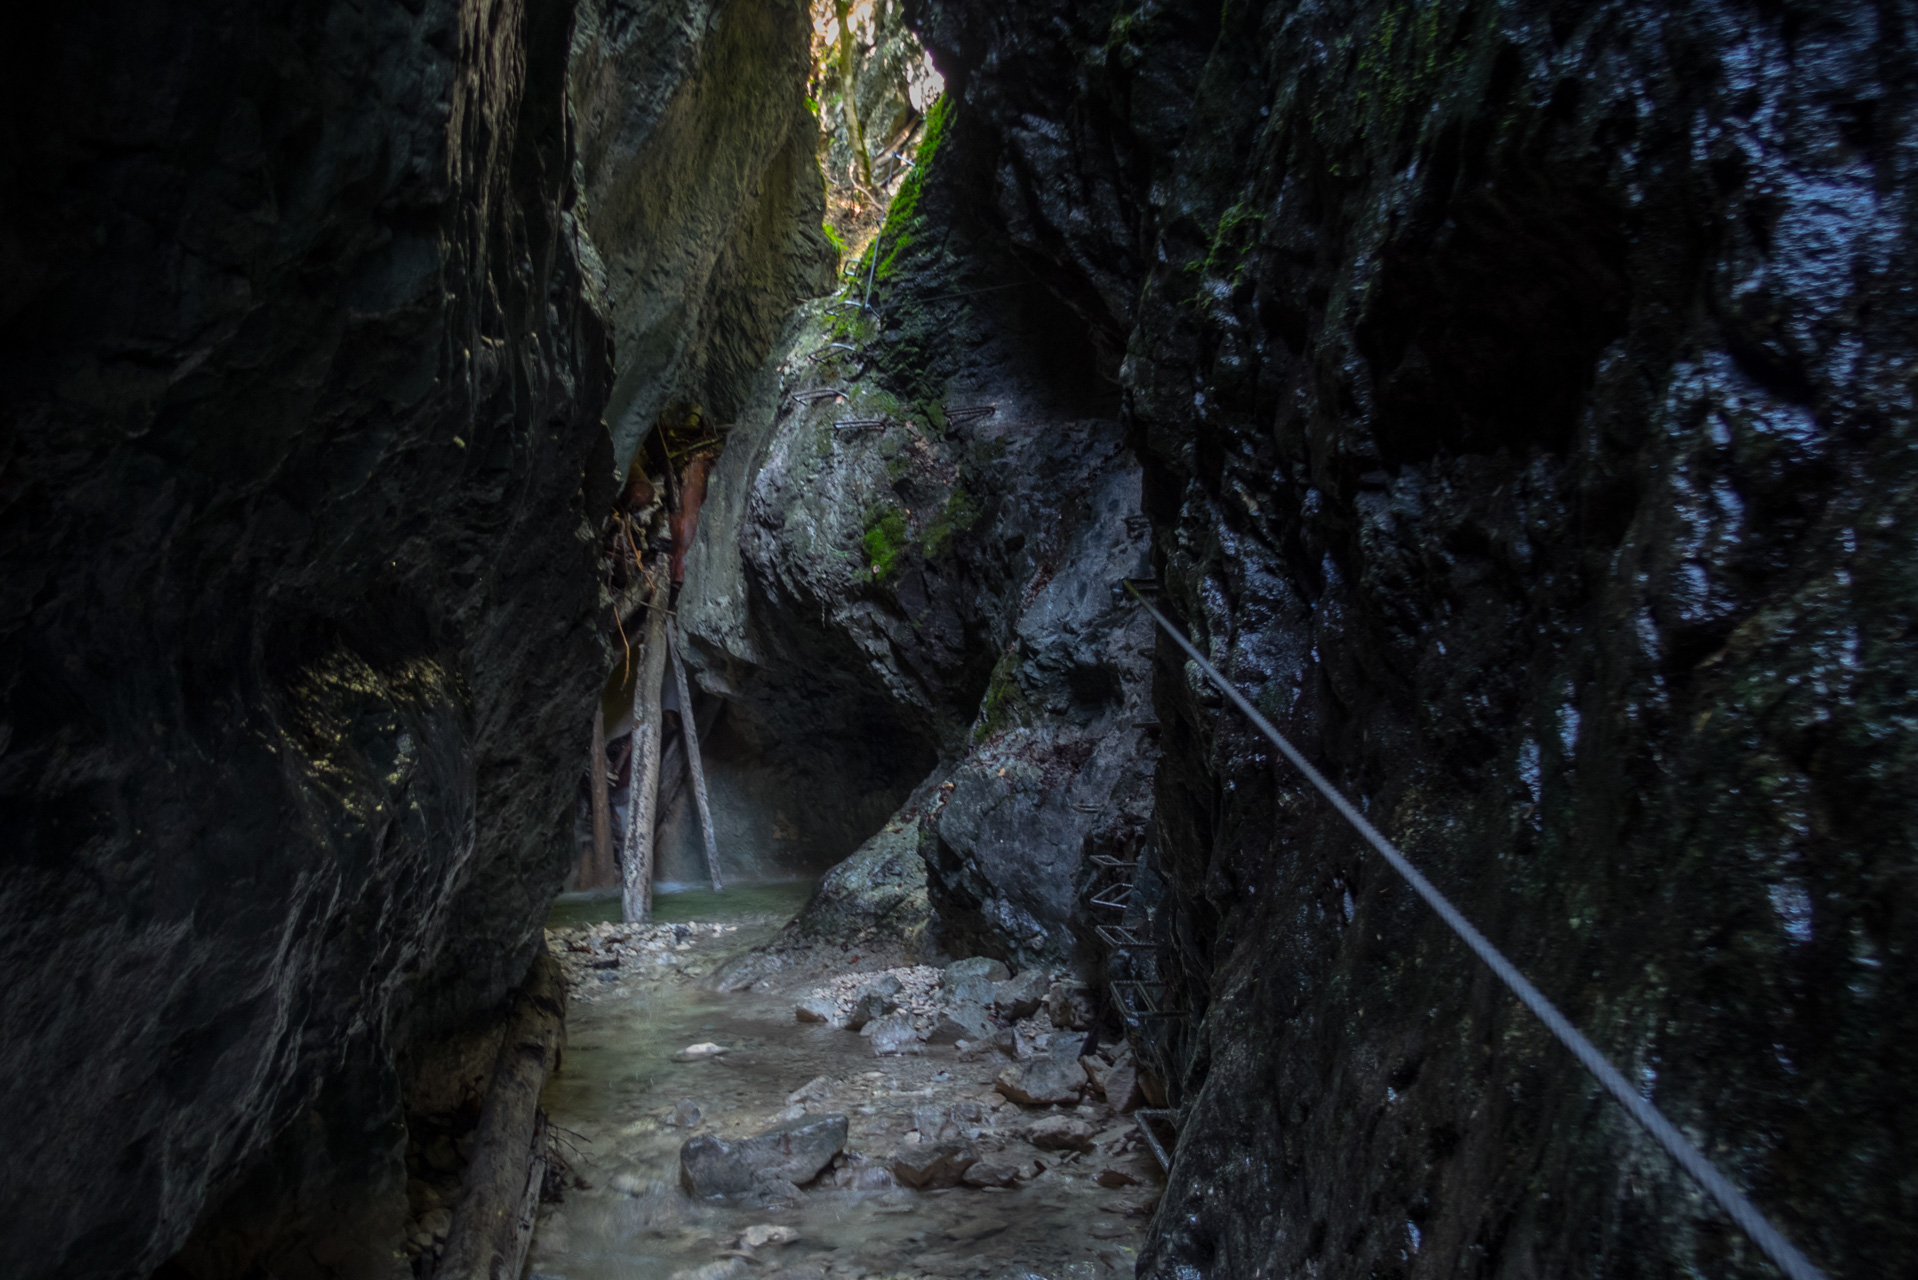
point(1767, 1237)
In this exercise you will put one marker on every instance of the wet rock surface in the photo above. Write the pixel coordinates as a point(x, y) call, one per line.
point(793, 1152)
point(301, 419)
point(939, 1174)
point(1524, 426)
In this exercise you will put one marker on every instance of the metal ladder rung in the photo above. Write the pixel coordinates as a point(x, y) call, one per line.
point(1144, 1117)
point(1120, 938)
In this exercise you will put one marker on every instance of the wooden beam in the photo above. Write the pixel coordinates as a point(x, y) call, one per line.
point(689, 728)
point(499, 1197)
point(642, 808)
point(599, 871)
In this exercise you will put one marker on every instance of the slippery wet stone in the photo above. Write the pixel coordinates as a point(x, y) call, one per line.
point(792, 1152)
point(816, 1009)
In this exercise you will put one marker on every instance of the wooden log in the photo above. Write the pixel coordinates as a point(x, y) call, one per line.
point(642, 807)
point(600, 870)
point(689, 729)
point(499, 1197)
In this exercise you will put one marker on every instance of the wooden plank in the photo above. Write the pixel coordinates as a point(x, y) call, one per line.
point(689, 728)
point(642, 809)
point(493, 1221)
point(599, 871)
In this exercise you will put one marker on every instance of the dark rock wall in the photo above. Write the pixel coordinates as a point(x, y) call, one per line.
point(913, 616)
point(1524, 395)
point(701, 195)
point(300, 441)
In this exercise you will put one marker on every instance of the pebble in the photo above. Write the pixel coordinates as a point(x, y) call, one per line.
point(758, 1237)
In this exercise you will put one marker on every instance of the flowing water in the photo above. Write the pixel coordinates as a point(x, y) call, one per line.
point(623, 1102)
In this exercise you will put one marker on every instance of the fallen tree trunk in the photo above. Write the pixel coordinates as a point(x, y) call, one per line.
point(493, 1222)
point(689, 728)
point(600, 870)
point(642, 807)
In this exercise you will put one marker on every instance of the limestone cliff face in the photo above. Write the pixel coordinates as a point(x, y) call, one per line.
point(702, 195)
point(303, 460)
point(301, 395)
point(1524, 401)
point(903, 581)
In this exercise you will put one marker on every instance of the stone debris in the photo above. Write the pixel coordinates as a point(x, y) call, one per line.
point(930, 1168)
point(1061, 1133)
point(1122, 1086)
point(1043, 1082)
point(894, 1033)
point(1067, 1006)
point(927, 1122)
point(793, 1152)
point(758, 1237)
point(816, 1009)
point(991, 1173)
point(875, 1000)
point(818, 1089)
point(1022, 996)
point(977, 967)
point(960, 1022)
point(602, 959)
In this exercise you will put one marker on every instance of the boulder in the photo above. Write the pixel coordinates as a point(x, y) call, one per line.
point(1067, 1006)
point(977, 967)
point(816, 1009)
point(1061, 1133)
point(991, 1173)
point(930, 1167)
point(1020, 997)
point(793, 1152)
point(817, 1089)
point(1122, 1086)
point(893, 1034)
point(1043, 1081)
point(961, 1022)
point(971, 989)
point(874, 1000)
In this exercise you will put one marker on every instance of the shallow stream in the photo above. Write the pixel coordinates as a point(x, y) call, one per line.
point(623, 1103)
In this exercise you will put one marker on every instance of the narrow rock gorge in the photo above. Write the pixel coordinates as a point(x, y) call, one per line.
point(1514, 402)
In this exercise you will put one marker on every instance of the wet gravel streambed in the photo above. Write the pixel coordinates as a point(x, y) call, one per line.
point(1074, 1183)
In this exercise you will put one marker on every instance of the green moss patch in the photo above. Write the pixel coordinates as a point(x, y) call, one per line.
point(885, 540)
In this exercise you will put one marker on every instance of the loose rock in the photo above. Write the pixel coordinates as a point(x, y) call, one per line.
point(794, 1152)
point(1021, 996)
point(815, 1009)
point(893, 1034)
point(1043, 1081)
point(977, 967)
point(1067, 1006)
point(927, 1168)
point(1061, 1133)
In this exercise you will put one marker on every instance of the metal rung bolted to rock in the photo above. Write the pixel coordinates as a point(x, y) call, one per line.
point(1145, 1117)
